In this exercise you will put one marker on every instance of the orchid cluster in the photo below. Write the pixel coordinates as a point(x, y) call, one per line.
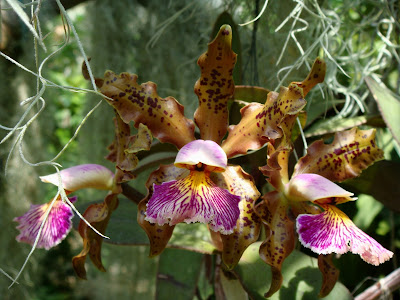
point(202, 186)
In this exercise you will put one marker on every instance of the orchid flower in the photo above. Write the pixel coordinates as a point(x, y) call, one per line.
point(58, 222)
point(311, 196)
point(196, 198)
point(331, 231)
point(201, 186)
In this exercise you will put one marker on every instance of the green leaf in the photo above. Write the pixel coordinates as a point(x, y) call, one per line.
point(368, 209)
point(178, 273)
point(301, 277)
point(123, 229)
point(388, 104)
point(381, 182)
point(336, 124)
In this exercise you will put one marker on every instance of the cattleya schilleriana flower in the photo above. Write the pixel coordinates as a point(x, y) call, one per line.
point(201, 186)
point(312, 197)
point(58, 222)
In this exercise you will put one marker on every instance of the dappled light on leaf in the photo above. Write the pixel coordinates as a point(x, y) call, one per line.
point(215, 86)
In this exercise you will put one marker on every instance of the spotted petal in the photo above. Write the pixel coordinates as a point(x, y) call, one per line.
point(193, 199)
point(333, 232)
point(55, 229)
point(83, 176)
point(315, 188)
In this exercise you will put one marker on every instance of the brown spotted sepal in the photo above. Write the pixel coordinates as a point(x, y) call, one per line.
point(276, 169)
point(330, 274)
point(125, 147)
point(98, 215)
point(280, 240)
point(262, 123)
point(141, 104)
point(346, 157)
point(215, 86)
point(158, 235)
point(248, 226)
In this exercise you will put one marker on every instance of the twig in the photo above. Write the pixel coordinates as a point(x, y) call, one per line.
point(384, 286)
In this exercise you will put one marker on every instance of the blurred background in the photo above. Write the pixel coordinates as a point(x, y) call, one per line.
point(161, 42)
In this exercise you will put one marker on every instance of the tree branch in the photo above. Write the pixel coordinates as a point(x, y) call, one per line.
point(384, 286)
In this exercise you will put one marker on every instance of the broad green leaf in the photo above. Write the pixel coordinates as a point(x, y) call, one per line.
point(334, 125)
point(178, 274)
point(123, 229)
point(230, 286)
point(381, 182)
point(142, 104)
point(346, 157)
point(302, 279)
point(388, 104)
point(367, 209)
point(215, 86)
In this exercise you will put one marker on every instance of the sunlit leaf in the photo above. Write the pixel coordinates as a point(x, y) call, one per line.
point(215, 86)
point(346, 157)
point(389, 106)
point(141, 104)
point(381, 182)
point(98, 215)
point(301, 277)
point(334, 125)
point(247, 230)
point(178, 273)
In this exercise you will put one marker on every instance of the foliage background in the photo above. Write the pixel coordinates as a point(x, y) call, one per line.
point(161, 41)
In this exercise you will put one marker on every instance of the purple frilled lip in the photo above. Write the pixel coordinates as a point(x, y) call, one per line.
point(82, 176)
point(332, 231)
point(55, 228)
point(196, 198)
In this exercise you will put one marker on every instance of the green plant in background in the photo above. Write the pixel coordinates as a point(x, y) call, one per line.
point(202, 187)
point(217, 176)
